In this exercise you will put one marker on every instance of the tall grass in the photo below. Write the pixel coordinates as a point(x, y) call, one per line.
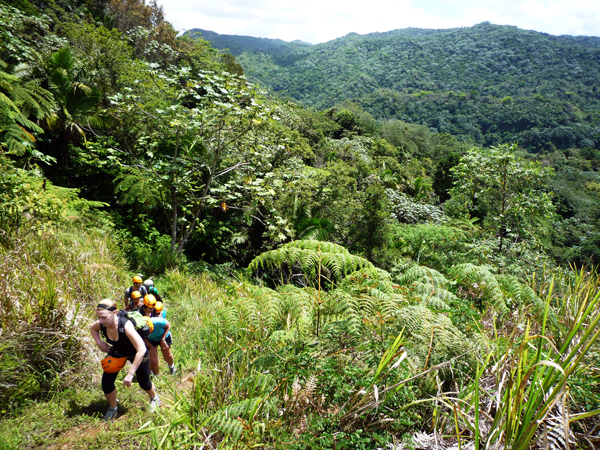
point(262, 375)
point(521, 390)
point(50, 283)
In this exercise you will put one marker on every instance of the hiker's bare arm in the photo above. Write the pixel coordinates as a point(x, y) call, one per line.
point(95, 329)
point(167, 328)
point(140, 349)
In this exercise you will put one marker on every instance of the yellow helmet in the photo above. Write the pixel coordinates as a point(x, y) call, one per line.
point(149, 323)
point(150, 301)
point(137, 279)
point(136, 294)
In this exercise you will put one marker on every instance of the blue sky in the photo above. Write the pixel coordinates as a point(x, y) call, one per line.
point(323, 20)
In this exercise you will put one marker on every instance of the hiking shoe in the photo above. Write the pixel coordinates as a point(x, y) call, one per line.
point(110, 415)
point(173, 370)
point(154, 404)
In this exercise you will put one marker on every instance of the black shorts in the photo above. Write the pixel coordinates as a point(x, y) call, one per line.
point(168, 340)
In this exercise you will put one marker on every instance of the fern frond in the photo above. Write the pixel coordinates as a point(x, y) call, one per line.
point(518, 294)
point(324, 247)
point(422, 274)
point(433, 338)
point(135, 186)
point(479, 281)
point(311, 258)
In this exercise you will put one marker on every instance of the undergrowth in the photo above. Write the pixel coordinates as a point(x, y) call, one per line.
point(50, 284)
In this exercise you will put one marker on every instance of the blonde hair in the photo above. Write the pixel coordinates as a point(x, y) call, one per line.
point(107, 303)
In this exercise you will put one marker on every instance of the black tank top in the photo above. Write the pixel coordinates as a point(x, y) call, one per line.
point(121, 348)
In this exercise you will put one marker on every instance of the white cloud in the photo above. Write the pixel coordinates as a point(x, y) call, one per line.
point(323, 20)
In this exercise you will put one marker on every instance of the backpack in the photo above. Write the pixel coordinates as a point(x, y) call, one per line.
point(143, 325)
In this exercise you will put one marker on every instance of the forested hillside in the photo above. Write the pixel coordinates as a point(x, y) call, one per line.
point(239, 44)
point(488, 83)
point(371, 274)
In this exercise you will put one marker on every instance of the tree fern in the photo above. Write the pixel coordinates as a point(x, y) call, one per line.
point(136, 187)
point(518, 294)
point(20, 101)
point(478, 283)
point(311, 259)
point(429, 285)
point(433, 338)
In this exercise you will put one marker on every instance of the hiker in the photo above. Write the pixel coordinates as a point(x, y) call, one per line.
point(149, 284)
point(148, 305)
point(137, 286)
point(135, 303)
point(160, 310)
point(122, 343)
point(160, 336)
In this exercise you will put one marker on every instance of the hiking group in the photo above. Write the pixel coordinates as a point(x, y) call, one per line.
point(133, 334)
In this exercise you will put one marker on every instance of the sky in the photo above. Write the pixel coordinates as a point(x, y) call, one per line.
point(317, 21)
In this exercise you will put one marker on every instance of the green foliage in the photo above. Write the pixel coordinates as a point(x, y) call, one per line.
point(312, 261)
point(102, 53)
point(21, 100)
point(25, 207)
point(25, 37)
point(76, 100)
point(505, 192)
point(437, 246)
point(535, 373)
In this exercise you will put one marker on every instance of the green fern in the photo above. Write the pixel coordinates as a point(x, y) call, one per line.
point(136, 187)
point(429, 285)
point(20, 101)
point(479, 283)
point(433, 338)
point(519, 295)
point(310, 259)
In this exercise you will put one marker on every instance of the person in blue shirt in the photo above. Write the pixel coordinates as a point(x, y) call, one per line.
point(160, 337)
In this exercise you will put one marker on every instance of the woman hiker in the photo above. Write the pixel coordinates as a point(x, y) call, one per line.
point(122, 343)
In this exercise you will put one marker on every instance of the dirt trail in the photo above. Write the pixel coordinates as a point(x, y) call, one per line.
point(92, 434)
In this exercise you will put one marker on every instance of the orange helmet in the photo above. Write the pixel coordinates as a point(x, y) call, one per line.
point(136, 294)
point(150, 301)
point(110, 364)
point(149, 323)
point(137, 279)
point(159, 307)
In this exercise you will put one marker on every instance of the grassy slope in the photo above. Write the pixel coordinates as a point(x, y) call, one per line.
point(227, 362)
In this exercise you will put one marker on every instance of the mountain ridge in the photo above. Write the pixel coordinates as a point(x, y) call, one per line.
point(487, 83)
point(237, 44)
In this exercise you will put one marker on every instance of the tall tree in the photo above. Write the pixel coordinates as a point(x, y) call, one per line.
point(505, 191)
point(76, 102)
point(191, 132)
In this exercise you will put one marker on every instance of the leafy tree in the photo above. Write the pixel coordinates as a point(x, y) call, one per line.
point(21, 100)
point(76, 103)
point(103, 54)
point(189, 133)
point(506, 192)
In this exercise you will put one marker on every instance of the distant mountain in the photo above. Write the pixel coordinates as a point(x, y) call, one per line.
point(237, 45)
point(494, 60)
point(486, 83)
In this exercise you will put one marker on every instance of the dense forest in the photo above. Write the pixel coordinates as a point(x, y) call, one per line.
point(388, 241)
point(237, 45)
